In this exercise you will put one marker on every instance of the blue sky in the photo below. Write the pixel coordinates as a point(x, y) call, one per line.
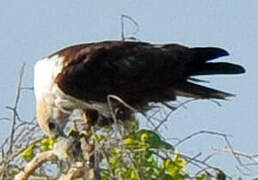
point(33, 29)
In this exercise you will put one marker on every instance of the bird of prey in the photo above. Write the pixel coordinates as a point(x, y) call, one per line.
point(82, 76)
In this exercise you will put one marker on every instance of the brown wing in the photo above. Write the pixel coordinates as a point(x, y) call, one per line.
point(139, 72)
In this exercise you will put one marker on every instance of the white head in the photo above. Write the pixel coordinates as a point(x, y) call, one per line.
point(50, 118)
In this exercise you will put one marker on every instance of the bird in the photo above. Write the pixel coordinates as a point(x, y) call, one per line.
point(82, 76)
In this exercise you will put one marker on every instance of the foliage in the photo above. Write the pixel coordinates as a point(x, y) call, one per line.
point(44, 144)
point(140, 155)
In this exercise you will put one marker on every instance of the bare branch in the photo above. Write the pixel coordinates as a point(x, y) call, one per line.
point(17, 98)
point(5, 119)
point(37, 161)
point(123, 18)
point(237, 153)
point(225, 137)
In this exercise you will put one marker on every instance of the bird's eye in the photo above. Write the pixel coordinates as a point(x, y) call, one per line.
point(51, 126)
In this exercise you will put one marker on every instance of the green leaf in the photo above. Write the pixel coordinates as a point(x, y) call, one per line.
point(133, 175)
point(174, 167)
point(47, 143)
point(152, 139)
point(28, 154)
point(203, 177)
point(130, 141)
point(167, 177)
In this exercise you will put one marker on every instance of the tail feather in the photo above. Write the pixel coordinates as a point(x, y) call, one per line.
point(200, 65)
point(203, 54)
point(188, 89)
point(215, 68)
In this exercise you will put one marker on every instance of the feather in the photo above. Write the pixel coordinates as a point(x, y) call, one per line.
point(188, 89)
point(215, 68)
point(208, 53)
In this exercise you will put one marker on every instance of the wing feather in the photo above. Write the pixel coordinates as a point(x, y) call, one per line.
point(135, 71)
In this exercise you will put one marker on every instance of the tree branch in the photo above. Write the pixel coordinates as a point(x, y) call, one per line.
point(37, 161)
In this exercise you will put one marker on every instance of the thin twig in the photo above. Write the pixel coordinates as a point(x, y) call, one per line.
point(27, 88)
point(5, 119)
point(123, 17)
point(17, 98)
point(237, 153)
point(216, 134)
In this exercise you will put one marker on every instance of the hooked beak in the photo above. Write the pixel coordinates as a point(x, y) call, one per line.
point(57, 129)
